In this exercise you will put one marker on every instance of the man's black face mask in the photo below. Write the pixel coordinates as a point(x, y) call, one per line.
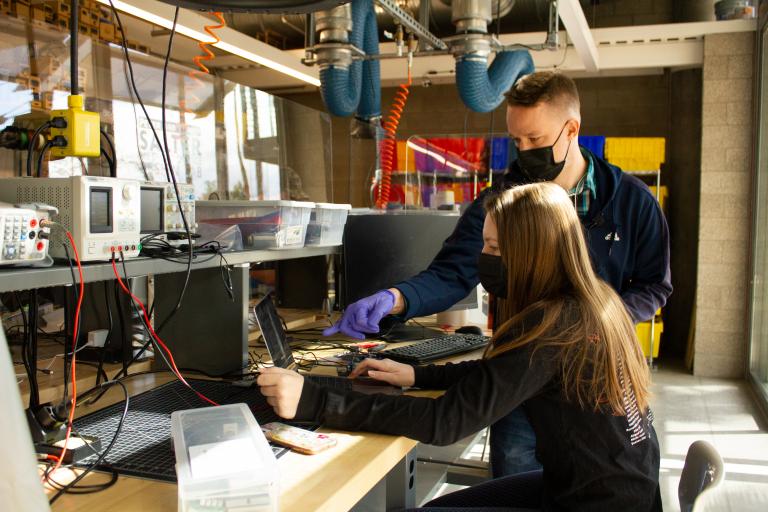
point(538, 164)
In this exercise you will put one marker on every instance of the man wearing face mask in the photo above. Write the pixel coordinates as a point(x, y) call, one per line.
point(626, 232)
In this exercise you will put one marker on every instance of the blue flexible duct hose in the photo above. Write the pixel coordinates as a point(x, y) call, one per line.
point(370, 96)
point(342, 88)
point(481, 89)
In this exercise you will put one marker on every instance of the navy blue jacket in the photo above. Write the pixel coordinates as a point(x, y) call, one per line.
point(626, 232)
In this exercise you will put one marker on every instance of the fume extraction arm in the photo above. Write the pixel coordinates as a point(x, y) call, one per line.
point(342, 38)
point(348, 35)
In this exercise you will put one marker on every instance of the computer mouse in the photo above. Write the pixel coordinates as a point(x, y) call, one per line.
point(470, 329)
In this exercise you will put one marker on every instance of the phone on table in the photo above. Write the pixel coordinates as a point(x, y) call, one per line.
point(298, 439)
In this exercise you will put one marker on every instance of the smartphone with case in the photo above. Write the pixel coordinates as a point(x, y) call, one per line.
point(297, 439)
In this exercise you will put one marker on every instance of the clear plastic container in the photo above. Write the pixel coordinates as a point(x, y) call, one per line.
point(326, 225)
point(223, 461)
point(263, 224)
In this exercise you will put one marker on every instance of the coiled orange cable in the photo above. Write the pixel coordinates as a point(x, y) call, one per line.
point(209, 29)
point(208, 55)
point(389, 144)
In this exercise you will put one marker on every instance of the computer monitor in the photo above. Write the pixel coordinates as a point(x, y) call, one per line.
point(383, 249)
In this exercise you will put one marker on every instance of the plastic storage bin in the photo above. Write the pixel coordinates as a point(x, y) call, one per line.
point(263, 224)
point(223, 461)
point(635, 153)
point(326, 224)
point(594, 143)
point(644, 336)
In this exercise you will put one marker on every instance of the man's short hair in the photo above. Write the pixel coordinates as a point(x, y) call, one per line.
point(545, 87)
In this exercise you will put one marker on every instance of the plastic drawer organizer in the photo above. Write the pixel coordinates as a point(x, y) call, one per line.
point(263, 224)
point(223, 461)
point(326, 224)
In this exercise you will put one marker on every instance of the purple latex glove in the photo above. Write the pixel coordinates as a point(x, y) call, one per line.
point(363, 316)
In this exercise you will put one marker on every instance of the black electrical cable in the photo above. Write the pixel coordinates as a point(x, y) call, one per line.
point(81, 489)
point(173, 177)
point(158, 349)
point(110, 144)
point(110, 163)
point(103, 352)
point(135, 120)
point(124, 46)
point(31, 145)
point(41, 156)
point(226, 280)
point(76, 329)
point(103, 455)
point(34, 391)
point(28, 365)
point(123, 327)
point(124, 370)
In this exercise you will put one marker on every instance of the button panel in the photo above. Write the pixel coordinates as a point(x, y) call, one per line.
point(19, 236)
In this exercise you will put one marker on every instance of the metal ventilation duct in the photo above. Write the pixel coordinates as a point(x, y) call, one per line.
point(289, 28)
point(271, 6)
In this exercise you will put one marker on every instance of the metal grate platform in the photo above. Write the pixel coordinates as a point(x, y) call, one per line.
point(144, 446)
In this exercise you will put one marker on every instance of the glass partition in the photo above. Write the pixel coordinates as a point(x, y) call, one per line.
point(228, 140)
point(430, 170)
point(758, 353)
point(438, 170)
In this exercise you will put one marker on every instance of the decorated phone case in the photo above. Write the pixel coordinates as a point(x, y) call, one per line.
point(297, 439)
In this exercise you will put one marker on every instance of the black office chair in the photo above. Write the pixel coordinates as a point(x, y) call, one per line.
point(702, 473)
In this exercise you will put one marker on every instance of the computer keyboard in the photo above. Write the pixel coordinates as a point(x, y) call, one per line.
point(330, 381)
point(436, 348)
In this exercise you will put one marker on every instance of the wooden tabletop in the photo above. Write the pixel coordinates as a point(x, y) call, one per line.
point(333, 480)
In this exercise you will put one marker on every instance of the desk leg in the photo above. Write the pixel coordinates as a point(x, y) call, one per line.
point(401, 483)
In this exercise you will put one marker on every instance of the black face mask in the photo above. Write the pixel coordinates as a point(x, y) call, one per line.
point(539, 164)
point(493, 274)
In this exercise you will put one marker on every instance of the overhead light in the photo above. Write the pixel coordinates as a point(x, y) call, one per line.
point(167, 22)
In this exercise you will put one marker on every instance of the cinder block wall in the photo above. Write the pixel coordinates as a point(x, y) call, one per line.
point(725, 217)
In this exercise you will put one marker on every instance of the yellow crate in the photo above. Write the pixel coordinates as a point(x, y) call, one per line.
point(405, 158)
point(644, 336)
point(635, 153)
point(663, 196)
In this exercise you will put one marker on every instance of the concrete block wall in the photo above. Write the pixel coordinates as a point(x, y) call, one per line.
point(621, 13)
point(724, 210)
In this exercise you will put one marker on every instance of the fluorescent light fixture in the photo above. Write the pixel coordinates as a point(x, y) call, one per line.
point(145, 14)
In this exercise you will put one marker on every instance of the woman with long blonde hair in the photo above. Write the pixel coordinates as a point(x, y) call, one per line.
point(565, 351)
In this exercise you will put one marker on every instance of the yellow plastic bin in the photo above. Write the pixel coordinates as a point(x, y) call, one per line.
point(644, 336)
point(635, 153)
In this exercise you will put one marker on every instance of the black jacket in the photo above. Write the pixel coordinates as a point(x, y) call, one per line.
point(626, 233)
point(592, 461)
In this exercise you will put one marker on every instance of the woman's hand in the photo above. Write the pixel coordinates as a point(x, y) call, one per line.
point(387, 370)
point(283, 390)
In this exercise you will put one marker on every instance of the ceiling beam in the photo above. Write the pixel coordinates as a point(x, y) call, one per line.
point(190, 24)
point(575, 22)
point(621, 51)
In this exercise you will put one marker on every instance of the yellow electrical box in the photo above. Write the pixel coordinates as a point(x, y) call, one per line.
point(644, 336)
point(82, 132)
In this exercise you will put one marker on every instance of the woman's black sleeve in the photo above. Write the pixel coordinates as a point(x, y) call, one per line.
point(488, 391)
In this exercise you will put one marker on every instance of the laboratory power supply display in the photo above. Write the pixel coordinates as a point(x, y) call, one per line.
point(24, 236)
point(103, 214)
point(160, 212)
